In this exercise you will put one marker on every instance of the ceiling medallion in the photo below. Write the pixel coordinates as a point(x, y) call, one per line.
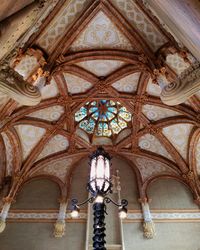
point(103, 118)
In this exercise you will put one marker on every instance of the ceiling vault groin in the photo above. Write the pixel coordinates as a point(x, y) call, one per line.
point(111, 69)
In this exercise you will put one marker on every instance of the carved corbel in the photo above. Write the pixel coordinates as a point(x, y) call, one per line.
point(148, 224)
point(4, 212)
point(19, 78)
point(13, 85)
point(59, 226)
point(183, 87)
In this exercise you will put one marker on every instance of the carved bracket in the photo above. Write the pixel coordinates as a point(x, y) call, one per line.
point(184, 87)
point(13, 85)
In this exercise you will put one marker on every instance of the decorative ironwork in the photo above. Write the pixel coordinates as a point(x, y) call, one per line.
point(99, 186)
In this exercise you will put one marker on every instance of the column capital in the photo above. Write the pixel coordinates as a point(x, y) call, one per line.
point(183, 87)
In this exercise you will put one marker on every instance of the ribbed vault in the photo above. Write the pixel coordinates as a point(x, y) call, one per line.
point(102, 50)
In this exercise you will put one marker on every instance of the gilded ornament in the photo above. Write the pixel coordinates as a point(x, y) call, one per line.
point(2, 225)
point(59, 229)
point(149, 229)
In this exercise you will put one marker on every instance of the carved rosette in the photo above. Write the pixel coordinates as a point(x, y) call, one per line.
point(184, 87)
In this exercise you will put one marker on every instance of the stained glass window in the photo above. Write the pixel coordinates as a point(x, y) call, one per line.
point(103, 117)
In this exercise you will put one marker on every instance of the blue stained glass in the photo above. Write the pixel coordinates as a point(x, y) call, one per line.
point(112, 109)
point(122, 123)
point(93, 103)
point(125, 115)
point(110, 115)
point(82, 113)
point(114, 126)
point(93, 109)
point(105, 117)
point(112, 103)
point(95, 115)
point(103, 101)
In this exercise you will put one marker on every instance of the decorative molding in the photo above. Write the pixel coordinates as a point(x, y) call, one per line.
point(182, 88)
point(13, 85)
point(132, 216)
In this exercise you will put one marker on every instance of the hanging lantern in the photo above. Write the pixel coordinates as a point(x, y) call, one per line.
point(99, 183)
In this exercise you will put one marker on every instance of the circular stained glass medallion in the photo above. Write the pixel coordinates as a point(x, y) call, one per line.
point(103, 117)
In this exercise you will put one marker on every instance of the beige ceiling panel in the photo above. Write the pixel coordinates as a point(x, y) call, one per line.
point(127, 84)
point(155, 113)
point(153, 89)
point(58, 168)
point(50, 90)
point(76, 84)
point(178, 135)
point(54, 145)
point(149, 168)
point(197, 154)
point(101, 33)
point(50, 114)
point(139, 20)
point(58, 27)
point(151, 143)
point(101, 67)
point(29, 137)
point(9, 154)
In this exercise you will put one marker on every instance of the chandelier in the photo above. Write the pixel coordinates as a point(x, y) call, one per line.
point(99, 186)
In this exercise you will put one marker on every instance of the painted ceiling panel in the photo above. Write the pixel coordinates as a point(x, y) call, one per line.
point(123, 134)
point(153, 89)
point(155, 113)
point(197, 154)
point(177, 63)
point(128, 83)
point(60, 24)
point(149, 168)
point(141, 22)
point(76, 84)
point(151, 143)
point(49, 90)
point(101, 33)
point(101, 67)
point(58, 168)
point(50, 114)
point(102, 141)
point(29, 137)
point(56, 144)
point(178, 135)
point(9, 155)
point(82, 134)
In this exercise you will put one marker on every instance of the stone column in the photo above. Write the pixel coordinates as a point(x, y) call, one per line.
point(59, 226)
point(148, 224)
point(183, 19)
point(4, 213)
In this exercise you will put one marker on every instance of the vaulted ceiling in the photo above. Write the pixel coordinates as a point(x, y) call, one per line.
point(101, 50)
